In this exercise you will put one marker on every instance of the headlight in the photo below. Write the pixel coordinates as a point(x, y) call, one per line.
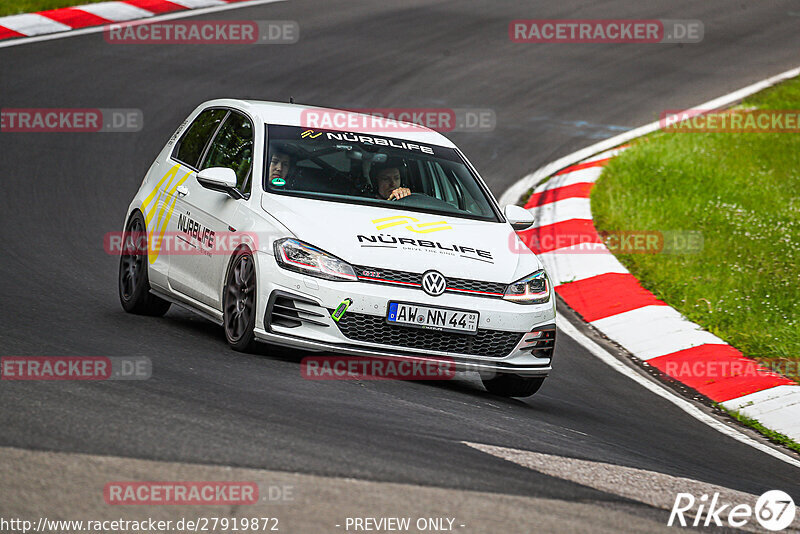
point(301, 257)
point(533, 289)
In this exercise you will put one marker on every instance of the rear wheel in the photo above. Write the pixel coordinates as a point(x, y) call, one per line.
point(512, 385)
point(239, 302)
point(134, 285)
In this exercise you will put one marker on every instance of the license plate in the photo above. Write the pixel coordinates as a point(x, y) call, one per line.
point(440, 319)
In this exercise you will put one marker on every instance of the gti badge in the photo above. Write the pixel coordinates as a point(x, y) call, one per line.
point(433, 283)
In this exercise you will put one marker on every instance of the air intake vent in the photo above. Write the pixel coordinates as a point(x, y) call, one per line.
point(540, 342)
point(291, 311)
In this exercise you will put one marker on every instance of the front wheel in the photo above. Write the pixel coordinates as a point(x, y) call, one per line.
point(512, 385)
point(239, 302)
point(134, 284)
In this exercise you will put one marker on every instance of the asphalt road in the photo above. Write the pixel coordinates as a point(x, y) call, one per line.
point(204, 403)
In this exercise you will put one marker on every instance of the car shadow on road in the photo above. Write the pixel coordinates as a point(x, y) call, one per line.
point(462, 383)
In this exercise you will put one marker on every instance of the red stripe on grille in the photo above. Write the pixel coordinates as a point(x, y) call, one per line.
point(389, 281)
point(474, 291)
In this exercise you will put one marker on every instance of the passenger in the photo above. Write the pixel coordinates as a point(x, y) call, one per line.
point(279, 165)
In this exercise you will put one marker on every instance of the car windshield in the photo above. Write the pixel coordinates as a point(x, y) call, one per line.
point(375, 170)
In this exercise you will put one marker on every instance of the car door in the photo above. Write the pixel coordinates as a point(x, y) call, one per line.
point(205, 218)
point(168, 175)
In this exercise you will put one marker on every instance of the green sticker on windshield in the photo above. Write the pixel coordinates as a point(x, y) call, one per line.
point(278, 182)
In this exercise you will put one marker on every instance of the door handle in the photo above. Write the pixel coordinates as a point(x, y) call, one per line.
point(182, 190)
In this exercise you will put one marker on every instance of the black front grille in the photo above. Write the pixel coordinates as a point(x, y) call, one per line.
point(476, 285)
point(409, 279)
point(373, 274)
point(373, 329)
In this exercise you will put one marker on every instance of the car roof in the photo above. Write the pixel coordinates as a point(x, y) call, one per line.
point(281, 113)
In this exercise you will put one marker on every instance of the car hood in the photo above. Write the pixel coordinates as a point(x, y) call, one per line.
point(405, 240)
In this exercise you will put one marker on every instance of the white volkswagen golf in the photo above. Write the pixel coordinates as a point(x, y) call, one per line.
point(369, 241)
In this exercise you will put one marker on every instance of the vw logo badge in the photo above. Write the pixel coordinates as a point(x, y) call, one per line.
point(433, 283)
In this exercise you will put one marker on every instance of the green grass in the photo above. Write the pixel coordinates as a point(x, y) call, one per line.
point(742, 191)
point(15, 7)
point(775, 437)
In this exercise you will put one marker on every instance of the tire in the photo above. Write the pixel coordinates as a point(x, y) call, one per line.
point(239, 302)
point(133, 281)
point(512, 385)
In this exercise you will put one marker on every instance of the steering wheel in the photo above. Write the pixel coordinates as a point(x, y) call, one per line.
point(411, 197)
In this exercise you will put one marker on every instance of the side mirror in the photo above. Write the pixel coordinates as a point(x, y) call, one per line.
point(219, 179)
point(519, 218)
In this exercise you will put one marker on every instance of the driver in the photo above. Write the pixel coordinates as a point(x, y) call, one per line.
point(386, 179)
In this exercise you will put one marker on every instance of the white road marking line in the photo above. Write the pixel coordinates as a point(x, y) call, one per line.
point(567, 328)
point(648, 487)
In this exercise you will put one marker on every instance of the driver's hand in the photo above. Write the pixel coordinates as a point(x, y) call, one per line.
point(399, 193)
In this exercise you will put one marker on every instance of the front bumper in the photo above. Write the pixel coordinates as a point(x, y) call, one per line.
point(294, 310)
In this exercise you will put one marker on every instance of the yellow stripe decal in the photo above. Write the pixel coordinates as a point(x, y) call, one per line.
point(169, 203)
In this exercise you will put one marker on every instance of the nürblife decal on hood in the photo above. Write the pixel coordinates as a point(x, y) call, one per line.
point(424, 245)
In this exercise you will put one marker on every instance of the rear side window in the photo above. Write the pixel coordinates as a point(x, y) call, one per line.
point(194, 141)
point(233, 148)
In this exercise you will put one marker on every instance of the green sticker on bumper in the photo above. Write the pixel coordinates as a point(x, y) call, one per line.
point(340, 309)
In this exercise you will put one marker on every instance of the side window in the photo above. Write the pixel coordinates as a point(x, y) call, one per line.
point(233, 148)
point(194, 141)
